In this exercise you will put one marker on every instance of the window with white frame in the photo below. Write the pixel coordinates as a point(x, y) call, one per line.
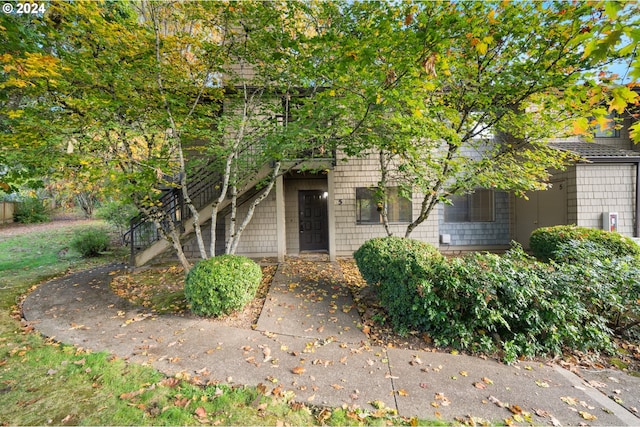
point(369, 207)
point(478, 206)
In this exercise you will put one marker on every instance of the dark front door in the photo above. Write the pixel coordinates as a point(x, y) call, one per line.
point(314, 228)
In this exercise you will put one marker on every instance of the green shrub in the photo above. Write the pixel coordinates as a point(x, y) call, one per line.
point(91, 242)
point(394, 258)
point(222, 284)
point(511, 304)
point(394, 266)
point(30, 211)
point(608, 285)
point(544, 242)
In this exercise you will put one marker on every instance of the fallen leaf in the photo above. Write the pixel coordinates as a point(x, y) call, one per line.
point(170, 382)
point(480, 386)
point(542, 384)
point(572, 401)
point(323, 415)
point(201, 412)
point(182, 402)
point(131, 395)
point(587, 416)
point(495, 400)
point(403, 392)
point(298, 370)
point(515, 409)
point(442, 399)
point(378, 404)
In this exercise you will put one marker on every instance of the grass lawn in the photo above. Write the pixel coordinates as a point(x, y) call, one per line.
point(44, 382)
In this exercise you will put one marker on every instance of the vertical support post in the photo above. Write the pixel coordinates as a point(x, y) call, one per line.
point(331, 212)
point(281, 223)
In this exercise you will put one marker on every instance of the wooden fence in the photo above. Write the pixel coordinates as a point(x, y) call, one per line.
point(6, 212)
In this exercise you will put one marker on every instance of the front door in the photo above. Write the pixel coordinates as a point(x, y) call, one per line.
point(314, 224)
point(543, 209)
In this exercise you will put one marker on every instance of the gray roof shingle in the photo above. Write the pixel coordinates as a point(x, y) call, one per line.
point(593, 150)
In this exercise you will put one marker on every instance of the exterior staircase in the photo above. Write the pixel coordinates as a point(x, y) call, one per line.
point(143, 238)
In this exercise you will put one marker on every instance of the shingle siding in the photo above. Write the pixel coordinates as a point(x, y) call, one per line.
point(364, 172)
point(481, 233)
point(605, 187)
point(259, 237)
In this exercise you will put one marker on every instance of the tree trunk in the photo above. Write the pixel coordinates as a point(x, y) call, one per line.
point(382, 189)
point(236, 238)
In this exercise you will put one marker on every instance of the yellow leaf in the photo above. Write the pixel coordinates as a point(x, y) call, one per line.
point(492, 17)
point(482, 48)
point(580, 126)
point(587, 416)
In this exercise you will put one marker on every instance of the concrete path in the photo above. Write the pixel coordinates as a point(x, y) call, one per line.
point(308, 341)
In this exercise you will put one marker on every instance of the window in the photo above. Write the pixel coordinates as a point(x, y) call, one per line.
point(473, 207)
point(368, 210)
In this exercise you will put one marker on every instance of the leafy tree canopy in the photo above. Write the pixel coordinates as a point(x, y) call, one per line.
point(451, 95)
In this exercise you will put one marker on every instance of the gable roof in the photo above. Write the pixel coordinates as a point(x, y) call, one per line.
point(593, 151)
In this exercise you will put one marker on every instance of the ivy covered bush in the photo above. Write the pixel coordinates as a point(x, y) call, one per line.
point(394, 266)
point(546, 241)
point(222, 284)
point(512, 304)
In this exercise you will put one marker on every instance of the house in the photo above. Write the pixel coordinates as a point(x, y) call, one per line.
point(600, 191)
point(330, 208)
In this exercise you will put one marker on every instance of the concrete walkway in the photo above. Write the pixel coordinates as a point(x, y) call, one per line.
point(307, 340)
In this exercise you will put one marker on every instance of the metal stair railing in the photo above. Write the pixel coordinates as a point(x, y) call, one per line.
point(204, 187)
point(203, 190)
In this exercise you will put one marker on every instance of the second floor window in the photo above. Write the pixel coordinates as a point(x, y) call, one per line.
point(369, 208)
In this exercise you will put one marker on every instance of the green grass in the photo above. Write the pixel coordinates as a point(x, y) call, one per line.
point(44, 382)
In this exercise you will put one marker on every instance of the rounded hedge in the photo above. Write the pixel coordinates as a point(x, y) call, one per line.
point(395, 267)
point(394, 258)
point(545, 242)
point(221, 285)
